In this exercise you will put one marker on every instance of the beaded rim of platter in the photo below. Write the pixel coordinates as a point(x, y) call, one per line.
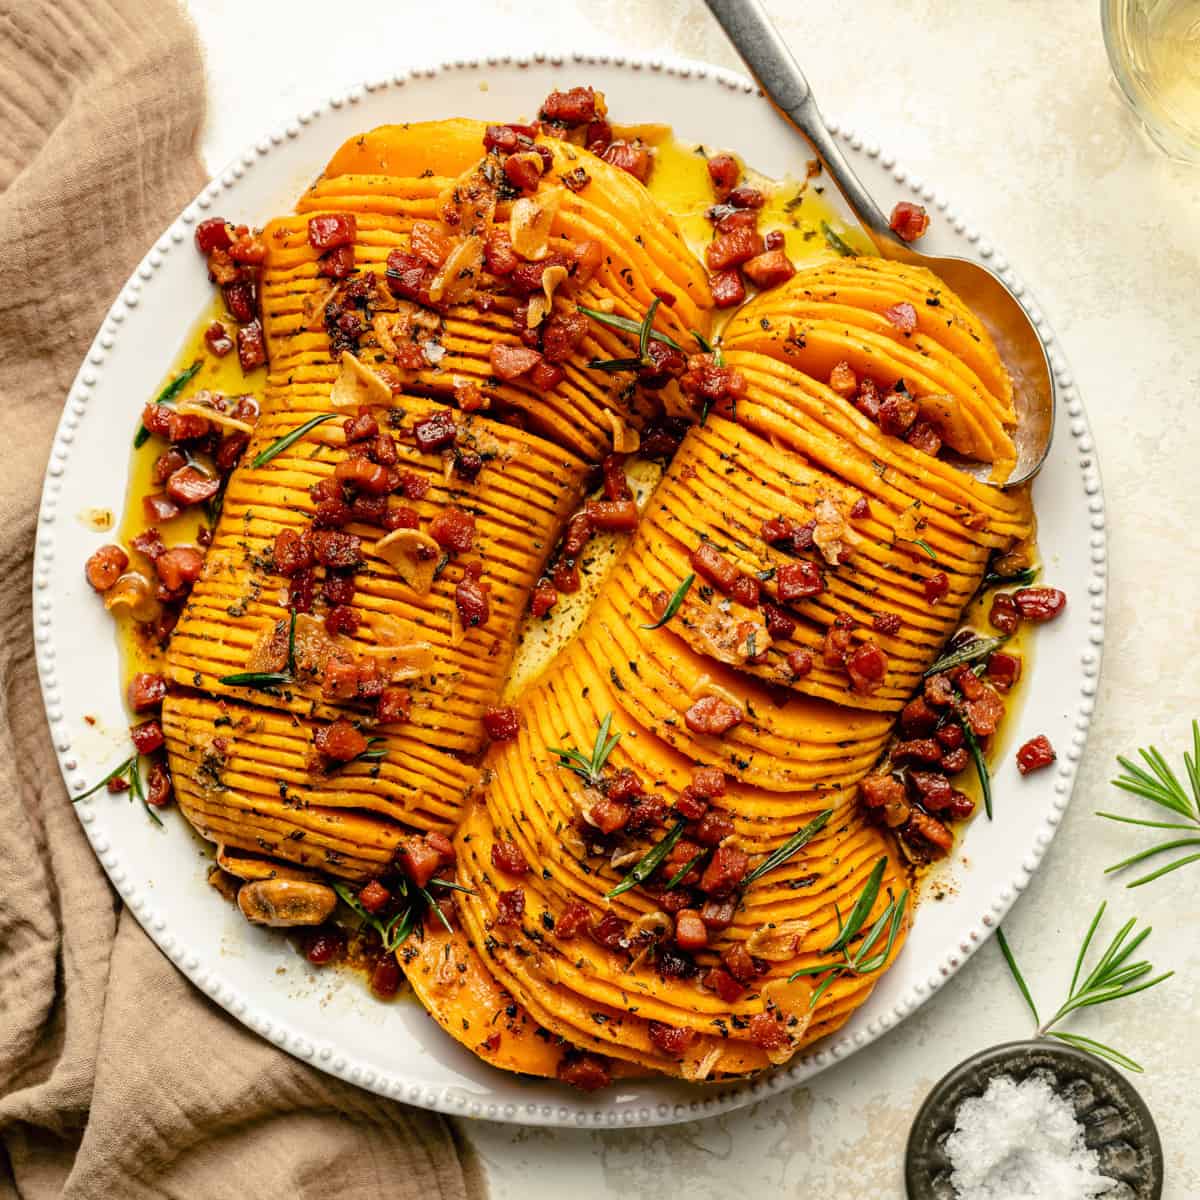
point(206, 973)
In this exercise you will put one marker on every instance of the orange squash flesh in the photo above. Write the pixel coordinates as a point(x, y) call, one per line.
point(518, 993)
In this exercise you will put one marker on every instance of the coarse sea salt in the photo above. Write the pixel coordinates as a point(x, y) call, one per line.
point(1021, 1141)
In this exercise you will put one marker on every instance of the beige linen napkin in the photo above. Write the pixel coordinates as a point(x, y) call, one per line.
point(117, 1078)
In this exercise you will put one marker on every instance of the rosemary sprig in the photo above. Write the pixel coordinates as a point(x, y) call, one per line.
point(649, 862)
point(981, 767)
point(279, 445)
point(1113, 977)
point(835, 242)
point(645, 330)
point(798, 840)
point(589, 769)
point(166, 396)
point(674, 604)
point(868, 956)
point(1161, 785)
point(626, 325)
point(395, 930)
point(1022, 578)
point(269, 679)
point(971, 652)
point(131, 771)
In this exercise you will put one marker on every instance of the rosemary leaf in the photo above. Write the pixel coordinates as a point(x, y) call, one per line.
point(452, 886)
point(981, 767)
point(166, 396)
point(281, 444)
point(674, 604)
point(1006, 950)
point(1021, 578)
point(924, 545)
point(613, 365)
point(861, 909)
point(837, 243)
point(257, 679)
point(649, 862)
point(971, 652)
point(683, 871)
point(135, 785)
point(789, 848)
point(1098, 1049)
point(441, 916)
point(646, 328)
point(115, 773)
point(589, 769)
point(626, 325)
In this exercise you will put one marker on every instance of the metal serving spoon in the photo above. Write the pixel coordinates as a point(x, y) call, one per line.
point(748, 27)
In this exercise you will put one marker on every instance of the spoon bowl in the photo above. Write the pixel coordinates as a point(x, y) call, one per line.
point(764, 52)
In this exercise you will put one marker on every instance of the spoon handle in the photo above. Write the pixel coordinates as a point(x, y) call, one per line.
point(748, 27)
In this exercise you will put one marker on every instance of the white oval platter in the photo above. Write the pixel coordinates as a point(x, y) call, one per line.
point(327, 1018)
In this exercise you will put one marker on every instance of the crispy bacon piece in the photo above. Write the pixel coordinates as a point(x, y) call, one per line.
point(394, 706)
point(330, 230)
point(1003, 670)
point(213, 234)
point(146, 691)
point(421, 856)
point(937, 587)
point(105, 566)
point(867, 667)
point(217, 339)
point(733, 248)
point(725, 172)
point(373, 896)
point(909, 221)
point(713, 716)
point(798, 580)
point(471, 597)
point(147, 737)
point(545, 596)
point(189, 486)
point(930, 831)
point(332, 548)
point(339, 741)
point(562, 333)
point(631, 157)
point(902, 316)
point(367, 476)
point(179, 567)
point(453, 529)
point(1039, 603)
point(800, 662)
point(617, 515)
point(709, 563)
point(984, 712)
point(897, 414)
point(511, 362)
point(587, 1072)
point(510, 907)
point(251, 345)
point(671, 1039)
point(767, 1032)
point(576, 106)
point(571, 920)
point(159, 789)
point(507, 856)
point(769, 269)
point(502, 723)
point(1035, 754)
point(728, 288)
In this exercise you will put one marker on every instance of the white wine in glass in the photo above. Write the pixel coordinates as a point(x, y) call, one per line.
point(1154, 49)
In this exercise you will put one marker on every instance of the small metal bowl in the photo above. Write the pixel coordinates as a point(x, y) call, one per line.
point(1117, 1123)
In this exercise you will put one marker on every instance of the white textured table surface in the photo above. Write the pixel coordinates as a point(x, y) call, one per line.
point(1008, 108)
